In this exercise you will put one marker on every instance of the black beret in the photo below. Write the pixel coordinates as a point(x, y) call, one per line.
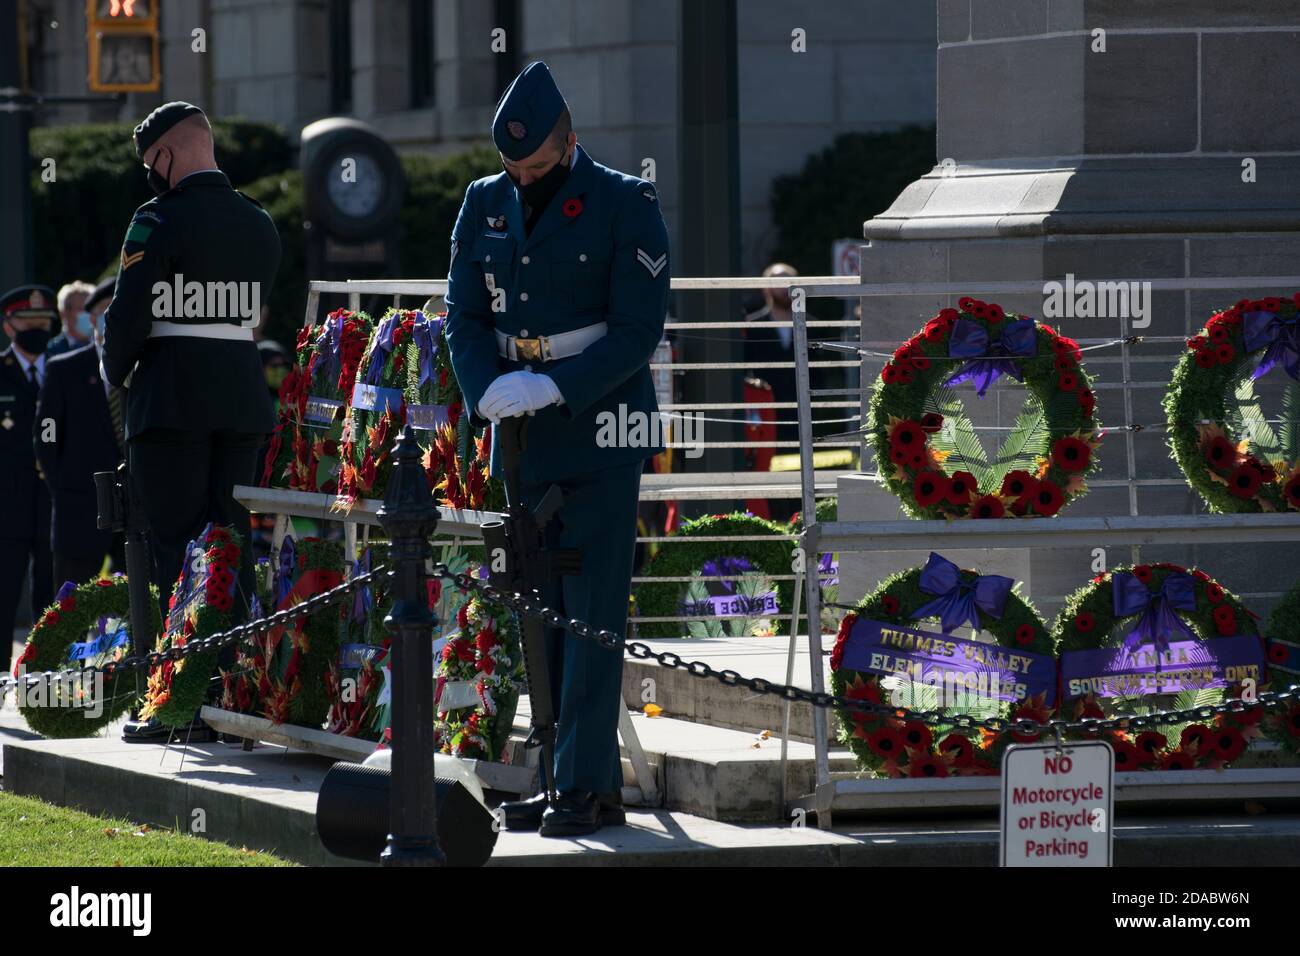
point(160, 121)
point(102, 292)
point(29, 301)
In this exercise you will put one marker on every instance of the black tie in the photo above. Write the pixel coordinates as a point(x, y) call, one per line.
point(31, 377)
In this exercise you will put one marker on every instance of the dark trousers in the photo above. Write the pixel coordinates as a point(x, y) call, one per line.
point(24, 560)
point(184, 480)
point(79, 568)
point(599, 517)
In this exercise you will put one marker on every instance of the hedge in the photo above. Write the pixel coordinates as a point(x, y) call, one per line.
point(78, 220)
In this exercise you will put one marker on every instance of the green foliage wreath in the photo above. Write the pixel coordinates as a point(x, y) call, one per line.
point(927, 449)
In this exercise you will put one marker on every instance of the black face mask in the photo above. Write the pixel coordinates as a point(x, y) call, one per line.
point(158, 183)
point(541, 191)
point(32, 341)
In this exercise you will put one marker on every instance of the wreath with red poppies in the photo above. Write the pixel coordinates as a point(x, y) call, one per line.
point(283, 674)
point(101, 606)
point(201, 605)
point(1238, 458)
point(926, 447)
point(1090, 620)
point(894, 746)
point(1282, 651)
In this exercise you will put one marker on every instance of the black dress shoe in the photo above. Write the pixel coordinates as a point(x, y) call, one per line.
point(152, 731)
point(527, 814)
point(577, 813)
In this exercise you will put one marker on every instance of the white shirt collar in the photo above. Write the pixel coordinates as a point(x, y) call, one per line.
point(39, 363)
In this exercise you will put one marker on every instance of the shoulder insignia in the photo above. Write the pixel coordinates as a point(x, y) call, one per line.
point(649, 194)
point(147, 215)
point(652, 265)
point(129, 260)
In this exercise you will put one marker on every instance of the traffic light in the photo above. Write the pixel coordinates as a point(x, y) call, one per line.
point(122, 43)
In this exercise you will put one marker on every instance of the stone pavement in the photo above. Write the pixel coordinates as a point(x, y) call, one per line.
point(266, 798)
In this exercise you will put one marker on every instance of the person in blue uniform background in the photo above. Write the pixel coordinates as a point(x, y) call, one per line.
point(557, 292)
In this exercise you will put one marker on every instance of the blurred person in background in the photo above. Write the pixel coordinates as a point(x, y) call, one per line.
point(74, 313)
point(79, 432)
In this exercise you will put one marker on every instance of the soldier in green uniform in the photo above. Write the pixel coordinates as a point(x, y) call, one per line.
point(556, 299)
point(196, 264)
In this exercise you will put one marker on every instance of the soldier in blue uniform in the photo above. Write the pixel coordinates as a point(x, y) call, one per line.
point(28, 318)
point(556, 301)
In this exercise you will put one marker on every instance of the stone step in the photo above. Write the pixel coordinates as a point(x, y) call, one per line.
point(706, 700)
point(713, 772)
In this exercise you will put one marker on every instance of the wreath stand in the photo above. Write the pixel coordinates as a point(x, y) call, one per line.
point(458, 524)
point(851, 792)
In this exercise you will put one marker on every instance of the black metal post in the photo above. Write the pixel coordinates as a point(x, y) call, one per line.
point(708, 214)
point(15, 164)
point(409, 515)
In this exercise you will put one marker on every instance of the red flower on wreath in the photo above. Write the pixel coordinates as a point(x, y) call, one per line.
point(1024, 637)
point(67, 604)
point(889, 603)
point(868, 693)
point(1048, 498)
point(1067, 382)
point(1142, 572)
point(1149, 743)
point(1195, 736)
point(960, 746)
point(1019, 484)
point(1126, 755)
point(1277, 654)
point(572, 207)
point(960, 487)
point(916, 735)
point(929, 487)
point(1177, 760)
point(1214, 592)
point(1244, 481)
point(1084, 622)
point(1227, 744)
point(995, 312)
point(906, 435)
point(989, 506)
point(931, 422)
point(1087, 400)
point(1224, 353)
point(927, 765)
point(886, 742)
point(1219, 452)
point(1225, 621)
point(1071, 454)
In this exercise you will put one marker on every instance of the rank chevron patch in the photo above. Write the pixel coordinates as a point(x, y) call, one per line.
point(652, 266)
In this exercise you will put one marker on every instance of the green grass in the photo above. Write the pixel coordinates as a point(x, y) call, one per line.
point(34, 833)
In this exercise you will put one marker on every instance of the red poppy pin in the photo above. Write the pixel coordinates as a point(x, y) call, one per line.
point(572, 207)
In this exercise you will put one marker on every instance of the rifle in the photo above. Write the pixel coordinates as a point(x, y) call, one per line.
point(518, 547)
point(120, 510)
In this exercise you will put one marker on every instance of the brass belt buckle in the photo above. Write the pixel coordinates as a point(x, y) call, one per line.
point(528, 350)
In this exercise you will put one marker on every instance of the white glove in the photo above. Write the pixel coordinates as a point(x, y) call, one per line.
point(518, 393)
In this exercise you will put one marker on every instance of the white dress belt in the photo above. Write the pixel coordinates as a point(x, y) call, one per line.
point(208, 330)
point(551, 347)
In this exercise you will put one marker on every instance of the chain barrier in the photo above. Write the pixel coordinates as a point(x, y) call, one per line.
point(522, 604)
point(144, 662)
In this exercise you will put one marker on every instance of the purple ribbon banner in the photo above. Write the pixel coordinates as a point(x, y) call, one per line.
point(375, 398)
point(944, 661)
point(321, 411)
point(1185, 665)
point(731, 605)
point(1281, 336)
point(427, 418)
point(352, 656)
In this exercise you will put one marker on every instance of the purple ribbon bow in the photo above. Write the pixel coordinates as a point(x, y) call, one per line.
point(362, 602)
point(380, 348)
point(725, 566)
point(989, 359)
point(1130, 596)
point(284, 573)
point(1282, 336)
point(960, 600)
point(329, 346)
point(427, 328)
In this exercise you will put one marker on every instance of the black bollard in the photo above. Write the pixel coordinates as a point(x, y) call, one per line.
point(409, 515)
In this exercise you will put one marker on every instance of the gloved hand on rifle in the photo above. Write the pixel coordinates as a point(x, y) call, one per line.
point(518, 393)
